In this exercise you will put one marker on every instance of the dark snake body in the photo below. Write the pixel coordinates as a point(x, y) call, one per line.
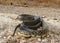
point(31, 25)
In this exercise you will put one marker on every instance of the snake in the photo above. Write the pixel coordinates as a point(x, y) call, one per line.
point(31, 26)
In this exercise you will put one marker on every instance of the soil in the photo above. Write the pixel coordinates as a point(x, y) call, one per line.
point(8, 23)
point(48, 10)
point(31, 3)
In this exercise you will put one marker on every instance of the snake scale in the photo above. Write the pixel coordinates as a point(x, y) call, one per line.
point(31, 26)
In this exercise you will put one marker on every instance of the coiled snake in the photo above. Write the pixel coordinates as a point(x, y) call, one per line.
point(31, 26)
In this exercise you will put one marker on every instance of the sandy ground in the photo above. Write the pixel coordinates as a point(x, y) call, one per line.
point(7, 24)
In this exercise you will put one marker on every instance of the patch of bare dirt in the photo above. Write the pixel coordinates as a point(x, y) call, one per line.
point(8, 23)
point(7, 26)
point(28, 3)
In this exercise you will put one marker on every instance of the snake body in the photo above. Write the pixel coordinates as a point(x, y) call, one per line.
point(31, 26)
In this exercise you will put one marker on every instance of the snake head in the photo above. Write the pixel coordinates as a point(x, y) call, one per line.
point(25, 17)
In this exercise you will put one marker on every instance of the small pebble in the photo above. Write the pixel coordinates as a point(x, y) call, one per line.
point(43, 16)
point(48, 36)
point(8, 37)
point(4, 37)
point(39, 39)
point(2, 34)
point(22, 41)
point(44, 40)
